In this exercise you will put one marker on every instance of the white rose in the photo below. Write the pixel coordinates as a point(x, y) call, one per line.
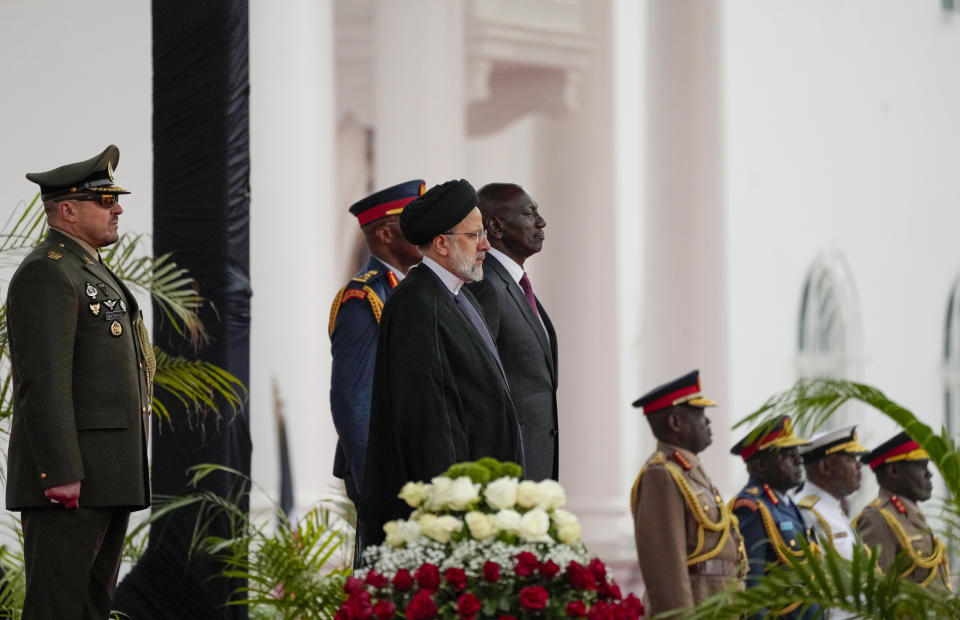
point(440, 529)
point(408, 531)
point(390, 528)
point(529, 494)
point(507, 521)
point(553, 495)
point(463, 494)
point(481, 525)
point(501, 494)
point(562, 517)
point(568, 533)
point(414, 493)
point(439, 493)
point(534, 525)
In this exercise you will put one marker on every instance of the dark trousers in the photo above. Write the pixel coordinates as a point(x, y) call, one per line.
point(72, 557)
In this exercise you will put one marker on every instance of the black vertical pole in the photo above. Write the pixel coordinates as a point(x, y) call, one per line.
point(201, 216)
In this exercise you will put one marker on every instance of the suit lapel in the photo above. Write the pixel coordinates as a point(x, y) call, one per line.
point(513, 290)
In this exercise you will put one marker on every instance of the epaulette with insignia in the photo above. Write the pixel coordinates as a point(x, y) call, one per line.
point(753, 490)
point(54, 255)
point(657, 459)
point(352, 293)
point(876, 503)
point(743, 502)
point(363, 278)
point(808, 502)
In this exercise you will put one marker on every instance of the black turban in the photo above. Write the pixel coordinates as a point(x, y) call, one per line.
point(441, 208)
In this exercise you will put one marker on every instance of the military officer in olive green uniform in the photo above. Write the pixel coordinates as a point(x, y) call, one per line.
point(688, 544)
point(82, 372)
point(893, 523)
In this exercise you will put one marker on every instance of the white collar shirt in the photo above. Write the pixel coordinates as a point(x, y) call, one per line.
point(451, 280)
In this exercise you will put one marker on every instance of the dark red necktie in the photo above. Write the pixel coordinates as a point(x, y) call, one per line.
point(528, 292)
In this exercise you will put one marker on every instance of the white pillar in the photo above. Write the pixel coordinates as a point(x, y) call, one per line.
point(292, 138)
point(685, 308)
point(418, 88)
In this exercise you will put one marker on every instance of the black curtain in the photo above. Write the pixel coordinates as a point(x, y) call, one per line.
point(200, 215)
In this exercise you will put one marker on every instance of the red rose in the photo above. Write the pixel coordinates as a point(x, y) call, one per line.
point(507, 618)
point(456, 577)
point(375, 579)
point(534, 598)
point(358, 606)
point(422, 606)
point(353, 585)
point(341, 615)
point(609, 591)
point(468, 606)
point(491, 571)
point(428, 576)
point(633, 606)
point(549, 569)
point(577, 609)
point(384, 610)
point(527, 564)
point(402, 580)
point(580, 577)
point(598, 569)
point(601, 611)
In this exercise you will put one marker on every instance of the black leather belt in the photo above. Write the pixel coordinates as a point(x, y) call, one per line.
point(723, 568)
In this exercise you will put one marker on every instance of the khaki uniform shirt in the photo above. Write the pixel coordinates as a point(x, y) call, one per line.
point(894, 524)
point(677, 572)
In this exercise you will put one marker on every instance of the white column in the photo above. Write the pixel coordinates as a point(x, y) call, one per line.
point(685, 307)
point(292, 138)
point(418, 87)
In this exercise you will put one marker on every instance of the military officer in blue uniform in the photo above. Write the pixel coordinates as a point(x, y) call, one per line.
point(770, 523)
point(354, 317)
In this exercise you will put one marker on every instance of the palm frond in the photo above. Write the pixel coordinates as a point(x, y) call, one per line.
point(196, 384)
point(831, 582)
point(24, 228)
point(174, 290)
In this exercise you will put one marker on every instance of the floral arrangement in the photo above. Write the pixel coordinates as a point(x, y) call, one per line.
point(482, 544)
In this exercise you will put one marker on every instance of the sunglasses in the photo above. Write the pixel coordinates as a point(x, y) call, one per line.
point(104, 200)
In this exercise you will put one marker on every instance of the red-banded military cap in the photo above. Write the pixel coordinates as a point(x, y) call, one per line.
point(91, 176)
point(683, 391)
point(389, 201)
point(839, 441)
point(771, 435)
point(899, 448)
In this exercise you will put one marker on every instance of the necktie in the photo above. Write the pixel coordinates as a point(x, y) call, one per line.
point(465, 307)
point(528, 292)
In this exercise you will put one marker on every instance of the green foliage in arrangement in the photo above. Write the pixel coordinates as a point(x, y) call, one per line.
point(825, 578)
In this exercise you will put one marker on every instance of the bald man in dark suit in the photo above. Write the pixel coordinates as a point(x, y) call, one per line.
point(518, 321)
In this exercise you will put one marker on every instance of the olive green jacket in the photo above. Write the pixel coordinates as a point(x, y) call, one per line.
point(81, 394)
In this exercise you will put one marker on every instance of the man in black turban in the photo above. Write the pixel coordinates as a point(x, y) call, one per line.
point(439, 391)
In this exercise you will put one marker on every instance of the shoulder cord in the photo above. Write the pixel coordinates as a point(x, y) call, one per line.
point(376, 304)
point(826, 526)
point(929, 562)
point(776, 540)
point(723, 524)
point(334, 309)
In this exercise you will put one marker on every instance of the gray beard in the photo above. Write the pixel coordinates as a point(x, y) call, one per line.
point(463, 265)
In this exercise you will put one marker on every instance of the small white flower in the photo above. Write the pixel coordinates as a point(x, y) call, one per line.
point(507, 521)
point(534, 525)
point(501, 494)
point(568, 533)
point(414, 493)
point(463, 494)
point(530, 494)
point(553, 495)
point(481, 525)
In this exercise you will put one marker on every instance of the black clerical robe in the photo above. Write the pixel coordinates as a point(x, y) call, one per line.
point(438, 398)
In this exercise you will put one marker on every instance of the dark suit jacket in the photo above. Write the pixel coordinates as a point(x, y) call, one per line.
point(80, 394)
point(529, 357)
point(438, 398)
